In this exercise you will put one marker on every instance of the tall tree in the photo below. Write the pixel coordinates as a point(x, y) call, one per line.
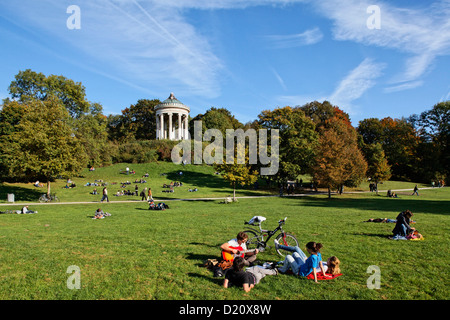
point(399, 140)
point(298, 140)
point(29, 84)
point(42, 145)
point(378, 167)
point(433, 127)
point(236, 173)
point(339, 162)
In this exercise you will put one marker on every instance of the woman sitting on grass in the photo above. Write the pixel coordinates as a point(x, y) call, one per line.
point(299, 263)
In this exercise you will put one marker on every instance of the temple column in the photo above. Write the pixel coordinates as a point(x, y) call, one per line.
point(186, 135)
point(170, 127)
point(157, 127)
point(179, 126)
point(161, 136)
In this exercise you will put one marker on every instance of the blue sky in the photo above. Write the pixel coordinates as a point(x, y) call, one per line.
point(246, 56)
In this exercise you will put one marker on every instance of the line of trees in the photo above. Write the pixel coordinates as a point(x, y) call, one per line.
point(48, 129)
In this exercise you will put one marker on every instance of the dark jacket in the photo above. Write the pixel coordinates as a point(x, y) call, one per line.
point(402, 226)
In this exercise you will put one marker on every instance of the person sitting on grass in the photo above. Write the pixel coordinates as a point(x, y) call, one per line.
point(331, 266)
point(234, 246)
point(99, 214)
point(299, 263)
point(402, 227)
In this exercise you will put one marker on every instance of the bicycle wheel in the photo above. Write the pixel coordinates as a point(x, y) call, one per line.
point(43, 198)
point(253, 239)
point(287, 240)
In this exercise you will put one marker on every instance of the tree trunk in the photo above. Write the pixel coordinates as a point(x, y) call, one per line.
point(48, 188)
point(376, 186)
point(234, 192)
point(329, 193)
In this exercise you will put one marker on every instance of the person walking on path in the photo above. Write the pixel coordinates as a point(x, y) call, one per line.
point(416, 190)
point(105, 195)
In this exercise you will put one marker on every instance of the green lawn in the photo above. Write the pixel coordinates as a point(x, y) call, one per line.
point(141, 254)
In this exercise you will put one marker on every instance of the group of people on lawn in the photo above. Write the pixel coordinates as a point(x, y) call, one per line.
point(298, 263)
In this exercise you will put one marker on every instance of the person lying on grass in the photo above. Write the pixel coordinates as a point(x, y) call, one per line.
point(236, 276)
point(299, 263)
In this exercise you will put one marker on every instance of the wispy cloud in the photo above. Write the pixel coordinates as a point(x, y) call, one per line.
point(358, 81)
point(305, 38)
point(279, 79)
point(348, 90)
point(423, 34)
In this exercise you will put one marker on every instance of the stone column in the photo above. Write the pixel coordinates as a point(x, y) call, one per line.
point(161, 136)
point(186, 129)
point(157, 127)
point(179, 126)
point(170, 127)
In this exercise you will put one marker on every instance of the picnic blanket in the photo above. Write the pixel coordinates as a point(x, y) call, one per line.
point(320, 276)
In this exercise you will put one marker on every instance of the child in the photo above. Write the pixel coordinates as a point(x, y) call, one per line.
point(298, 262)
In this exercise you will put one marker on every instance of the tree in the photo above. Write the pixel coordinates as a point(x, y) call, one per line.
point(42, 145)
point(338, 160)
point(32, 85)
point(216, 118)
point(237, 174)
point(433, 127)
point(399, 140)
point(139, 120)
point(378, 167)
point(298, 140)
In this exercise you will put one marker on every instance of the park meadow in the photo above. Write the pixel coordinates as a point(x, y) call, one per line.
point(141, 254)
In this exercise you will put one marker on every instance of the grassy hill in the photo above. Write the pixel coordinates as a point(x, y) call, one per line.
point(202, 177)
point(141, 254)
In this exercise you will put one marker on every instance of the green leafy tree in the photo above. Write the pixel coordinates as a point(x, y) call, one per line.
point(298, 140)
point(236, 173)
point(29, 84)
point(42, 145)
point(433, 127)
point(378, 167)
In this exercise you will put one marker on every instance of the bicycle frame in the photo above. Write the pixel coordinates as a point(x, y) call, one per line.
point(268, 233)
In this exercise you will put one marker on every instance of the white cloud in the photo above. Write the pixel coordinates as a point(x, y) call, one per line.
point(356, 83)
point(308, 37)
point(349, 89)
point(423, 34)
point(404, 86)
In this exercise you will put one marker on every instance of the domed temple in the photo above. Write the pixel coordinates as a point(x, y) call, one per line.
point(172, 119)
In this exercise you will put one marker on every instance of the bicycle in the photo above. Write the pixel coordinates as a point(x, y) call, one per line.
point(256, 237)
point(47, 198)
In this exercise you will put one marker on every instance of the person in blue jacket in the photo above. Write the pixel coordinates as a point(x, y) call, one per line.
point(299, 263)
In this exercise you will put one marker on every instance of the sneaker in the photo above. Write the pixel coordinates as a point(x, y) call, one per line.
point(276, 243)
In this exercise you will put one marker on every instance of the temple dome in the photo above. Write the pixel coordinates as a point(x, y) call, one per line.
point(170, 103)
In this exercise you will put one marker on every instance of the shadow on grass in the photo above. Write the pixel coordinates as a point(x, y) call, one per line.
point(21, 194)
point(212, 181)
point(377, 204)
